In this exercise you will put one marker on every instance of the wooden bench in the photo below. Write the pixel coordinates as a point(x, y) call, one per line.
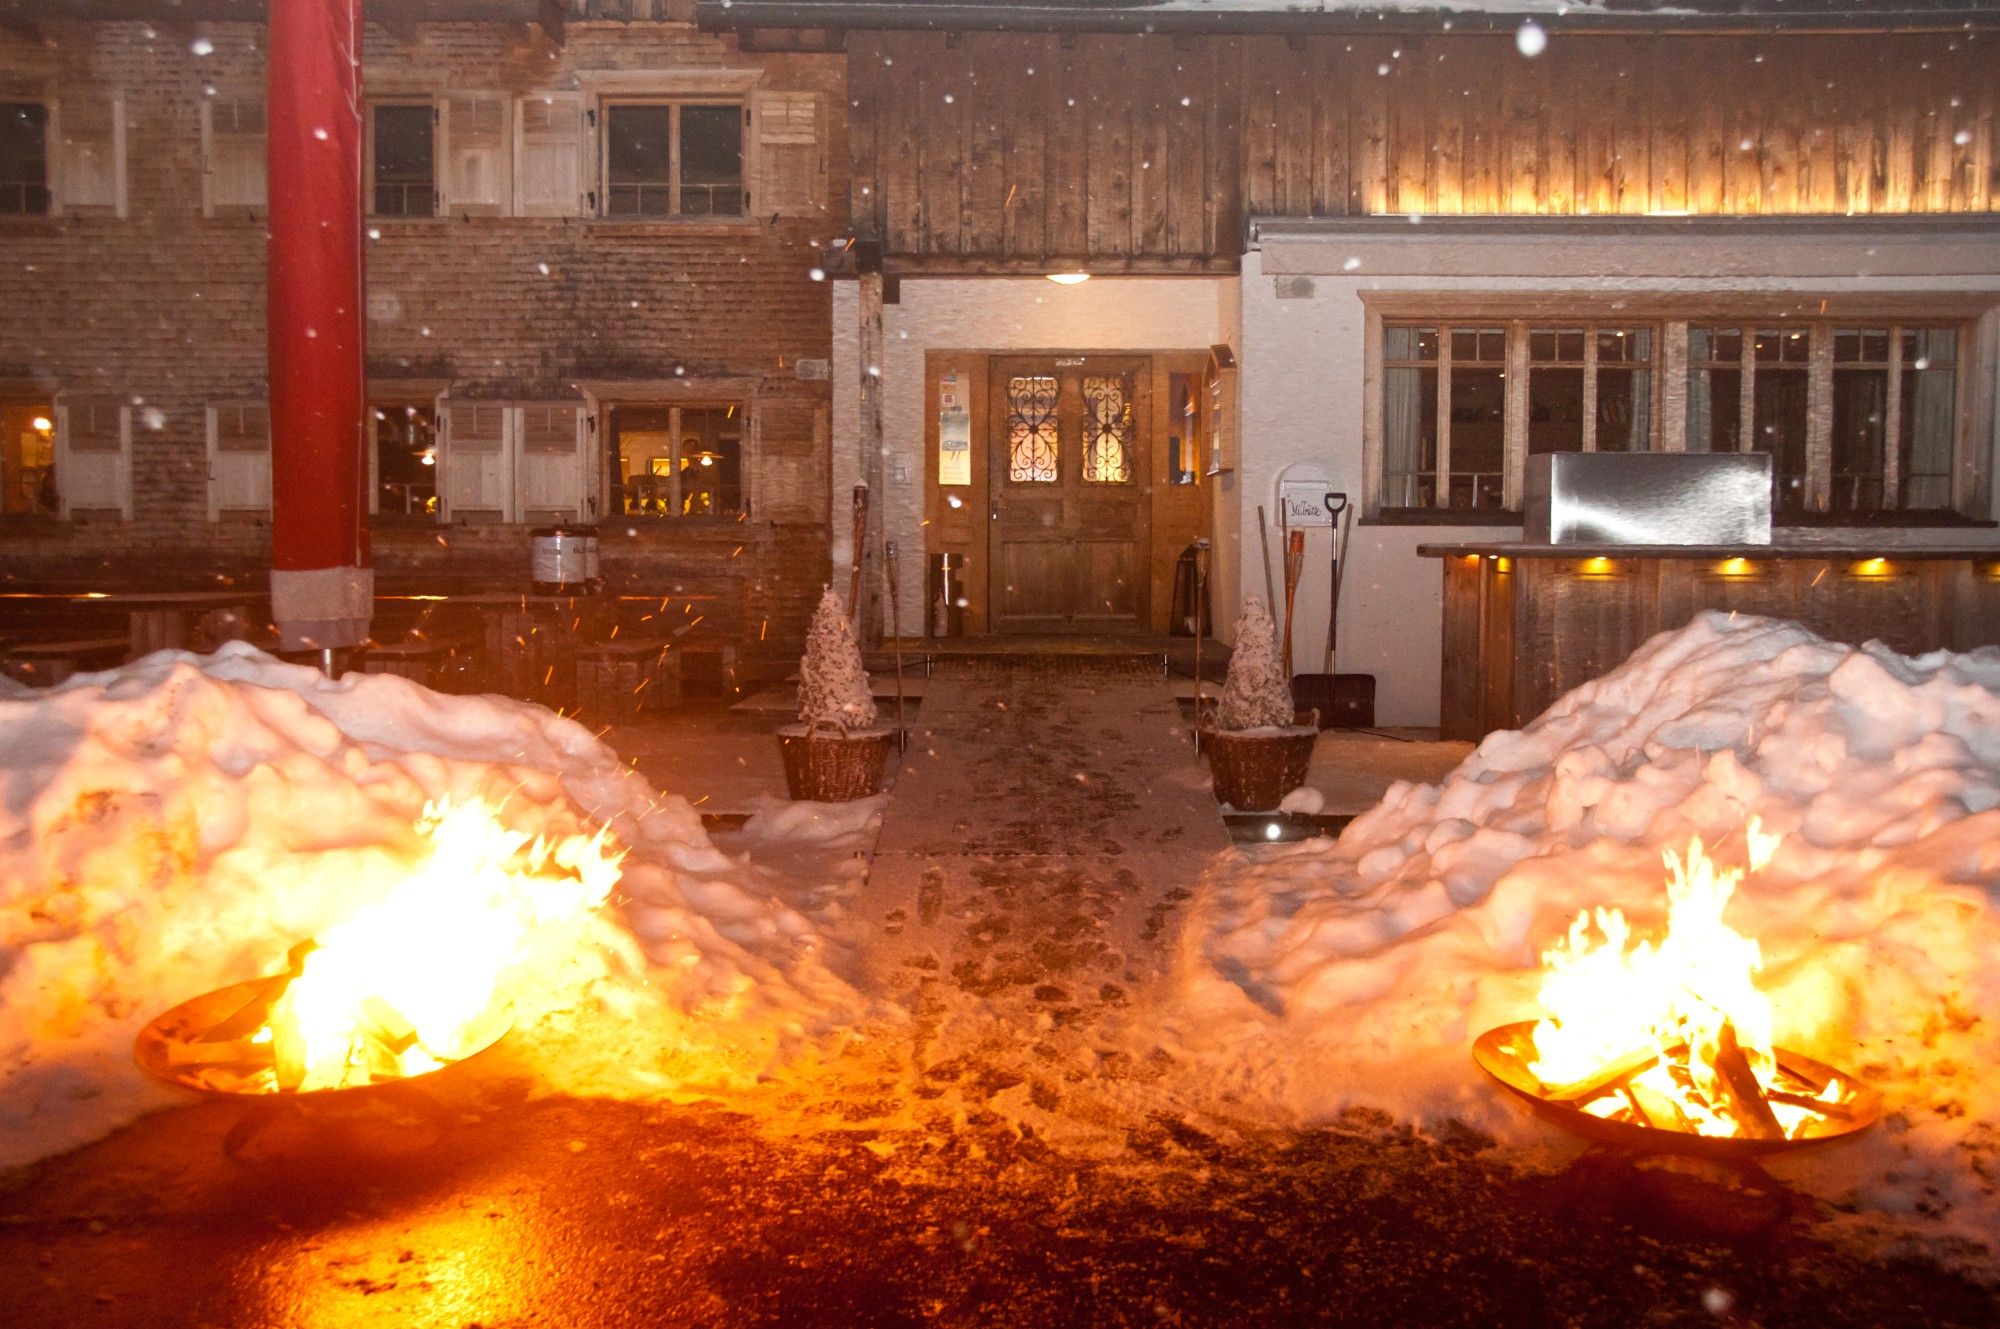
point(47, 663)
point(616, 680)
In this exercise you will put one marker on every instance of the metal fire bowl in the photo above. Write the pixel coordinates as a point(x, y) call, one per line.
point(178, 1027)
point(1495, 1052)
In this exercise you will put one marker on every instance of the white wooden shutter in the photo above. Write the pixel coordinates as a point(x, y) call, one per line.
point(477, 159)
point(475, 481)
point(239, 460)
point(89, 159)
point(94, 457)
point(232, 135)
point(551, 463)
point(790, 170)
point(548, 155)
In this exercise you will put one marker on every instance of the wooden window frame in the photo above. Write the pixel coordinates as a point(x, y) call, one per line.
point(48, 183)
point(1669, 366)
point(438, 161)
point(600, 122)
point(673, 514)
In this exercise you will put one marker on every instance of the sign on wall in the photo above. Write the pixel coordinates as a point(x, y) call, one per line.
point(954, 433)
point(1303, 503)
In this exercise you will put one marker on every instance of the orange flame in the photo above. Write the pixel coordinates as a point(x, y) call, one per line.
point(419, 977)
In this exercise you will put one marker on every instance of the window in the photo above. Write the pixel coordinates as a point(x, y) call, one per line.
point(402, 152)
point(24, 160)
point(677, 461)
point(405, 458)
point(28, 458)
point(1857, 419)
point(239, 461)
point(673, 159)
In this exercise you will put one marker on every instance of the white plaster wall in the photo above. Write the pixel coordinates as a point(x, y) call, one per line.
point(981, 314)
point(1302, 401)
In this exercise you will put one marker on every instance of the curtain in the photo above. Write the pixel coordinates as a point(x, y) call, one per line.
point(1403, 418)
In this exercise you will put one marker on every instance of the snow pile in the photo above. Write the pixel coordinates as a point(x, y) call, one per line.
point(1256, 694)
point(833, 683)
point(177, 824)
point(1359, 971)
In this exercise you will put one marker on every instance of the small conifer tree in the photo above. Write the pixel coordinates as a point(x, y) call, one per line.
point(833, 684)
point(1256, 694)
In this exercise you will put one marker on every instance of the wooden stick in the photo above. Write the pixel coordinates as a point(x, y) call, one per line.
point(1839, 1111)
point(860, 544)
point(1264, 539)
point(1295, 562)
point(1200, 598)
point(1607, 1076)
point(1746, 1096)
point(896, 631)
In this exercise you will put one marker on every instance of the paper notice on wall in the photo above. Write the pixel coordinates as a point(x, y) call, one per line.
point(954, 433)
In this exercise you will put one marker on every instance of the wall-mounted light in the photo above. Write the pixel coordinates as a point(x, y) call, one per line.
point(1069, 278)
point(1597, 567)
point(1734, 567)
point(1871, 567)
point(43, 424)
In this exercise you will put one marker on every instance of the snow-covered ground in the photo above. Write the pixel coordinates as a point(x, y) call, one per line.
point(177, 824)
point(1358, 971)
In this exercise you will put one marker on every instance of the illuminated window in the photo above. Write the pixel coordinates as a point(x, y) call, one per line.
point(406, 470)
point(28, 457)
point(1107, 428)
point(677, 461)
point(1033, 439)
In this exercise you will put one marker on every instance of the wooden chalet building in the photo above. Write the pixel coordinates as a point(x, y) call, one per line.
point(591, 234)
point(1394, 251)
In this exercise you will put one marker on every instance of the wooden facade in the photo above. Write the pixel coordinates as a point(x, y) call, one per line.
point(1132, 152)
point(1523, 625)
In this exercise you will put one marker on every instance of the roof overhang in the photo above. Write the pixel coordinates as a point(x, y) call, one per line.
point(1221, 17)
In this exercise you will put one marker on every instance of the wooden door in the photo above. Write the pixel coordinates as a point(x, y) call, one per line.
point(1069, 475)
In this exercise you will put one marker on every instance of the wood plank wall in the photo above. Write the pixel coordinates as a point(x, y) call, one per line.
point(1149, 151)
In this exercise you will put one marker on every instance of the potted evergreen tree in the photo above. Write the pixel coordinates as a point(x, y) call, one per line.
point(835, 752)
point(1258, 747)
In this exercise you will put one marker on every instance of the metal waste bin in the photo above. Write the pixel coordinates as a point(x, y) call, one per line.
point(946, 595)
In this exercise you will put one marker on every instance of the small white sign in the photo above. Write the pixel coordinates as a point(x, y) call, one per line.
point(1304, 503)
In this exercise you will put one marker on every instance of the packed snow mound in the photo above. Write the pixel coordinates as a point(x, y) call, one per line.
point(175, 825)
point(1358, 971)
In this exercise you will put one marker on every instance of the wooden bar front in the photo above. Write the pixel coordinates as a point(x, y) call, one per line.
point(1524, 624)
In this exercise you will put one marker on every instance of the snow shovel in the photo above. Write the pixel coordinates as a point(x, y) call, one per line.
point(1344, 701)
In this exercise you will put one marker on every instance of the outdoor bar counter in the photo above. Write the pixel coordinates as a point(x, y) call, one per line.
point(1524, 623)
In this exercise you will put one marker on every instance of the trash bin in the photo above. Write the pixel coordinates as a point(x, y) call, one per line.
point(946, 595)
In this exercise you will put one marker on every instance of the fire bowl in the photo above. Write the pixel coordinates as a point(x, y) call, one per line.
point(167, 1048)
point(1504, 1053)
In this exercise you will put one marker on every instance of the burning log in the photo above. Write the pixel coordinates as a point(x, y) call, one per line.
point(1744, 1098)
point(1608, 1076)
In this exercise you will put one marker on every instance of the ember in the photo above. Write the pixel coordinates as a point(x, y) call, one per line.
point(406, 984)
point(1672, 1036)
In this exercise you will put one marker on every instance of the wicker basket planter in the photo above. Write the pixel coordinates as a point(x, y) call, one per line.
point(1253, 769)
point(824, 764)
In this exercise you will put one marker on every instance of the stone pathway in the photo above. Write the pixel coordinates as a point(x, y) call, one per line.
point(1049, 816)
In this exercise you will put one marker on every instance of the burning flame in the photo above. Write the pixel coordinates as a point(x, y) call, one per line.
point(1678, 1024)
point(418, 978)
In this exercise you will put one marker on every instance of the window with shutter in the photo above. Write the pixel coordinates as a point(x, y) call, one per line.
point(790, 173)
point(548, 155)
point(233, 155)
point(90, 147)
point(476, 477)
point(402, 159)
point(478, 161)
point(239, 461)
point(93, 463)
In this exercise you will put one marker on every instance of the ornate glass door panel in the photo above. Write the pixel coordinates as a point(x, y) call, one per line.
point(1069, 514)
